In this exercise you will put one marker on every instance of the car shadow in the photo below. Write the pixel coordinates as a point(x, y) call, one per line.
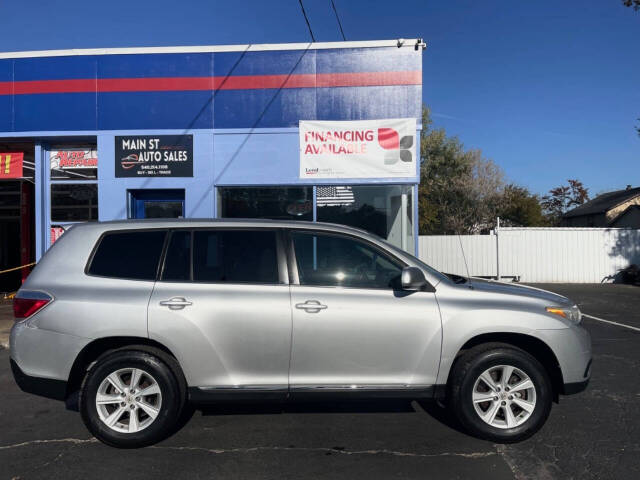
point(423, 407)
point(433, 409)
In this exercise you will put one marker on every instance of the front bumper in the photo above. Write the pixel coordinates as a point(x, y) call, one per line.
point(572, 348)
point(577, 387)
point(44, 387)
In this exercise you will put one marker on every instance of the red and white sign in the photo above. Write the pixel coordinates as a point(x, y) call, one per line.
point(73, 158)
point(11, 164)
point(56, 233)
point(358, 149)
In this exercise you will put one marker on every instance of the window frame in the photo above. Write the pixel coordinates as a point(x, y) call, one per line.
point(293, 263)
point(281, 259)
point(128, 230)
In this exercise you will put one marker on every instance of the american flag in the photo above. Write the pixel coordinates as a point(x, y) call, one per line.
point(334, 196)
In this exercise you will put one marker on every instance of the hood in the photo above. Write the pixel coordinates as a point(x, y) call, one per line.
point(491, 286)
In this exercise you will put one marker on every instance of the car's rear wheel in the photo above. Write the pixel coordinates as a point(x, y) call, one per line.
point(500, 393)
point(130, 399)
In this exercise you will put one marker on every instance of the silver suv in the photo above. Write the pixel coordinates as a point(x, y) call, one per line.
point(135, 323)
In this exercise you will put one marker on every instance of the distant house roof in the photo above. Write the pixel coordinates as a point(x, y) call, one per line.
point(603, 203)
point(626, 219)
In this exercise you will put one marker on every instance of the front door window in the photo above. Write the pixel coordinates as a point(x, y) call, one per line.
point(332, 260)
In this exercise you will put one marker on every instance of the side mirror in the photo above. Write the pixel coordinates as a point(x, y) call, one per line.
point(412, 279)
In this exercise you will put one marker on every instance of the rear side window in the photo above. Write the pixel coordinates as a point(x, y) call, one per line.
point(133, 255)
point(235, 256)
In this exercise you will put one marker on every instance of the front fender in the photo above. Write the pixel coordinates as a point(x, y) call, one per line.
point(459, 326)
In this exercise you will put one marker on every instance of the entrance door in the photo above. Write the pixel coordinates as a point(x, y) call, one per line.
point(353, 328)
point(156, 203)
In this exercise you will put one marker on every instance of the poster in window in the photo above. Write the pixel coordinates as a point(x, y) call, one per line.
point(76, 163)
point(11, 164)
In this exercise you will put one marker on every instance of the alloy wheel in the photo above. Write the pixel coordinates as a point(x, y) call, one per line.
point(128, 400)
point(504, 396)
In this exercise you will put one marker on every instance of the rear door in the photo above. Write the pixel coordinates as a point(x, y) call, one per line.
point(222, 306)
point(353, 328)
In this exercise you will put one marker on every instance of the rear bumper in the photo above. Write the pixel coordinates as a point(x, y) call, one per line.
point(44, 387)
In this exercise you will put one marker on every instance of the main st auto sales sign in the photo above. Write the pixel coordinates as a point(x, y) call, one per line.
point(154, 156)
point(358, 149)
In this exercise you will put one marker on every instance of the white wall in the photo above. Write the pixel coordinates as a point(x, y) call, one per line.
point(576, 255)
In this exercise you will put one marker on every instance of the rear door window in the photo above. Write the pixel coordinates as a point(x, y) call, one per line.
point(177, 263)
point(235, 256)
point(131, 254)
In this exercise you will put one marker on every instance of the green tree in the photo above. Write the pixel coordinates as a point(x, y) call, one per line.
point(632, 3)
point(563, 198)
point(520, 208)
point(460, 190)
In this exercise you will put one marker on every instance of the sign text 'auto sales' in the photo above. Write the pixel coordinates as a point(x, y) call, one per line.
point(154, 156)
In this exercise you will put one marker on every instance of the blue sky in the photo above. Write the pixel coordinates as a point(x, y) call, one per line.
point(549, 90)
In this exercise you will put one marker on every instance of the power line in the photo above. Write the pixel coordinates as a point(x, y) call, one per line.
point(338, 19)
point(313, 39)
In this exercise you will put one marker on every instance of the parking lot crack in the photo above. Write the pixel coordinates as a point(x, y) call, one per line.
point(75, 441)
point(328, 451)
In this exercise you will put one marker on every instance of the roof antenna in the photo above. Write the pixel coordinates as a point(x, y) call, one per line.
point(464, 257)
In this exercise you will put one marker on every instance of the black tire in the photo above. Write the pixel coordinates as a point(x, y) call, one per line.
point(468, 369)
point(170, 406)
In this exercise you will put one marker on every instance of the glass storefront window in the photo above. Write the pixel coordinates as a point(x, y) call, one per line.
point(385, 210)
point(278, 203)
point(74, 202)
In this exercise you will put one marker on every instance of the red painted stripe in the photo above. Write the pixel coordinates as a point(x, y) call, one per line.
point(368, 79)
point(249, 82)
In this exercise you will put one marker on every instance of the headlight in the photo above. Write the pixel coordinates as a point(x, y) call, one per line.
point(572, 313)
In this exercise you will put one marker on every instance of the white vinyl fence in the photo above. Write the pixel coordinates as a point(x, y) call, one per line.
point(573, 255)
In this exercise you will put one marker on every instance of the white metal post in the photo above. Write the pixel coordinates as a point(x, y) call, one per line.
point(498, 249)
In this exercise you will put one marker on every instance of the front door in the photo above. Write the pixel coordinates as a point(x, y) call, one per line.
point(353, 328)
point(222, 307)
point(152, 203)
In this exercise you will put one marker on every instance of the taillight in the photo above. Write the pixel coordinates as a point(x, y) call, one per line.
point(29, 303)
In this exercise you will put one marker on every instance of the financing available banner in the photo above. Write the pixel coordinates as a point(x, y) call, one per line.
point(358, 149)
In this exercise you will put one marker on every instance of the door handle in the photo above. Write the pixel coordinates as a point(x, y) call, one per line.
point(176, 303)
point(311, 306)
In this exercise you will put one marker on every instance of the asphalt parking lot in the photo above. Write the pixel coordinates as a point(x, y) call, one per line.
point(594, 434)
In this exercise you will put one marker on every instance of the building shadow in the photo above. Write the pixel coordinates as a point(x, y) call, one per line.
point(627, 248)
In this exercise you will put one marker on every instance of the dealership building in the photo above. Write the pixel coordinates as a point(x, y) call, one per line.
point(320, 132)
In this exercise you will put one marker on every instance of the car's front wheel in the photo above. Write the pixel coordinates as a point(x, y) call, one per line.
point(500, 392)
point(130, 399)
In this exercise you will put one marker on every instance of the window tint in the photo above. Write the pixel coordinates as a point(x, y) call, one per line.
point(332, 260)
point(177, 263)
point(132, 255)
point(235, 256)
